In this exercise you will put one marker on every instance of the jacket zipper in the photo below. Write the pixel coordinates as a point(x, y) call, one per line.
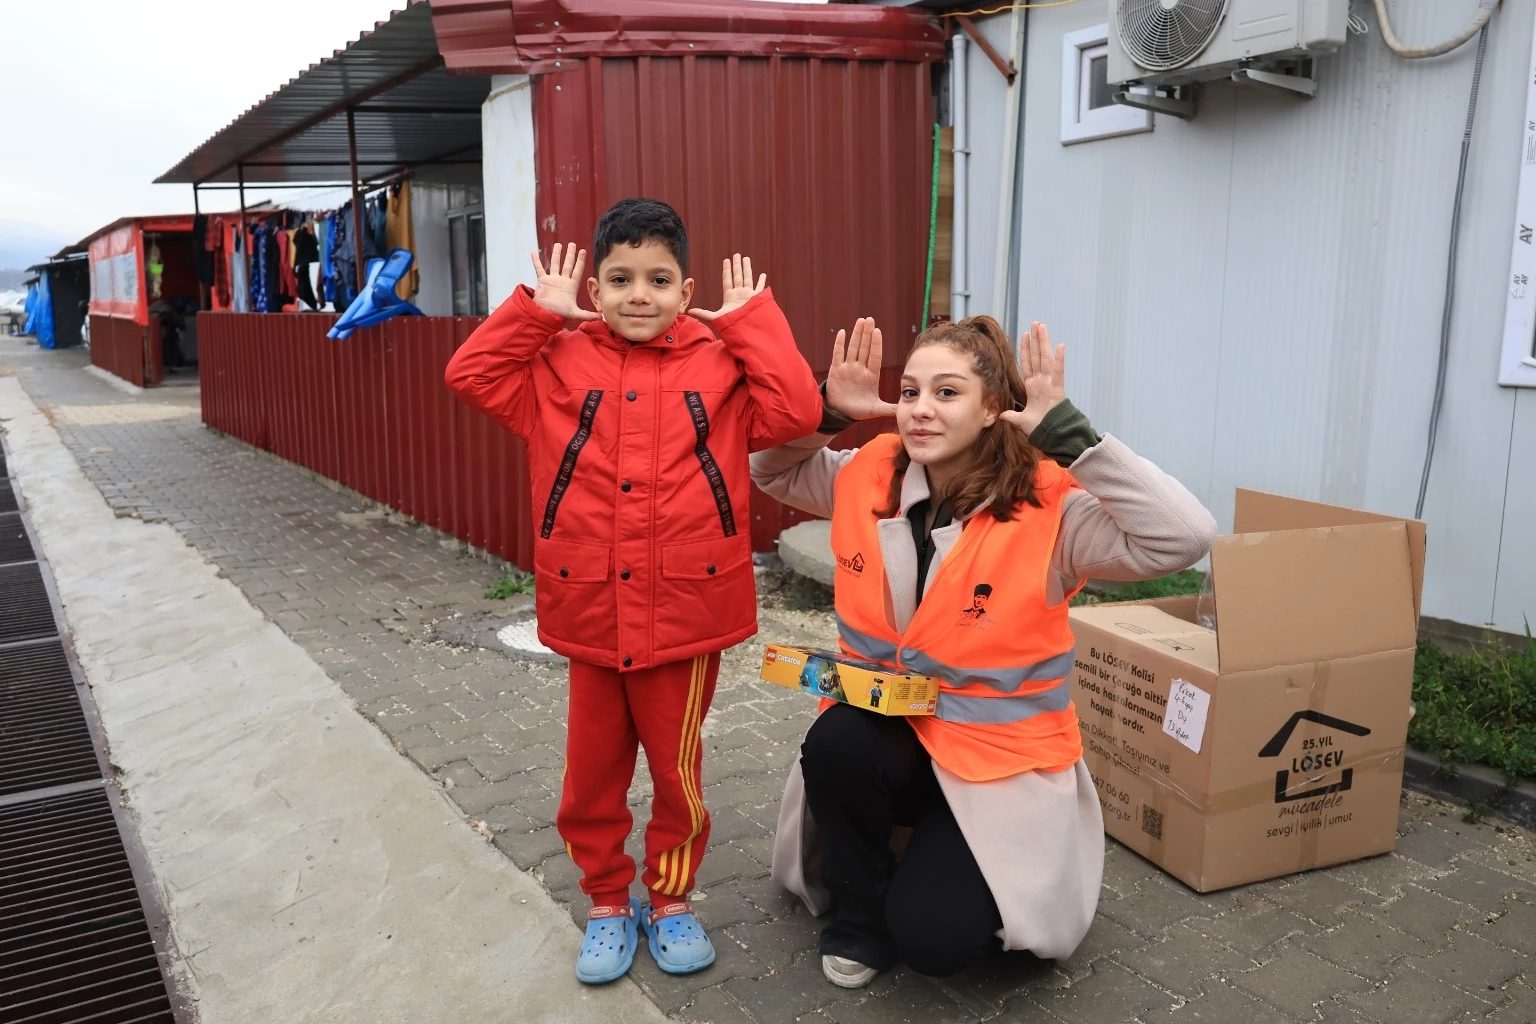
point(568, 463)
point(707, 462)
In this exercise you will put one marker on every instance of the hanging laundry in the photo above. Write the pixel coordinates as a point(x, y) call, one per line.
point(399, 233)
point(379, 208)
point(306, 253)
point(218, 251)
point(288, 281)
point(325, 236)
point(239, 274)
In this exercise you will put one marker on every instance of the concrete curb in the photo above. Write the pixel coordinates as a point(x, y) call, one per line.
point(1471, 785)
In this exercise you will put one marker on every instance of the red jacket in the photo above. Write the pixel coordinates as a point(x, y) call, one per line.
point(638, 458)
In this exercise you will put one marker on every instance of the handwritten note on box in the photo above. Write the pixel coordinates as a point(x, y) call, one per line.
point(1185, 718)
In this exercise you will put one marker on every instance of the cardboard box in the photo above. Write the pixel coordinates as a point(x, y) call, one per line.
point(1274, 743)
point(863, 684)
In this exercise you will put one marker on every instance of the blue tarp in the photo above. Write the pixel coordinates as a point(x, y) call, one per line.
point(29, 309)
point(39, 311)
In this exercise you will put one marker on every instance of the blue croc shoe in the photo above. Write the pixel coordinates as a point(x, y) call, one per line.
point(608, 948)
point(676, 939)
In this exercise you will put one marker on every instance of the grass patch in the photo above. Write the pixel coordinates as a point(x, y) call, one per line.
point(513, 583)
point(1178, 584)
point(1477, 708)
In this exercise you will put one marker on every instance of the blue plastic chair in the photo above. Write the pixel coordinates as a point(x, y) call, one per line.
point(377, 301)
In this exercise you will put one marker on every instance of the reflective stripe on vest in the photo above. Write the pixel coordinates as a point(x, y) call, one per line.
point(864, 645)
point(1003, 680)
point(960, 707)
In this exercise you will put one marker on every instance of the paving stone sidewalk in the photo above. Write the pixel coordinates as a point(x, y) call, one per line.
point(1442, 930)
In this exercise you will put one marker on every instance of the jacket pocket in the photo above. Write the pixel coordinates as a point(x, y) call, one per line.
point(704, 560)
point(706, 591)
point(575, 598)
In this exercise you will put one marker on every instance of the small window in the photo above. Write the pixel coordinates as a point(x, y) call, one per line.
point(1088, 107)
point(466, 256)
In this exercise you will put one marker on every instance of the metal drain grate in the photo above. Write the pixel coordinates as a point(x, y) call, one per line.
point(44, 739)
point(25, 613)
point(7, 496)
point(15, 545)
point(74, 943)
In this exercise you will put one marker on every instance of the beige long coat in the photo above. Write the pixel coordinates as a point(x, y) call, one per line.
point(1038, 837)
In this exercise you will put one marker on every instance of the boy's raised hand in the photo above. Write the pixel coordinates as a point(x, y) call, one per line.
point(560, 285)
point(736, 281)
point(853, 379)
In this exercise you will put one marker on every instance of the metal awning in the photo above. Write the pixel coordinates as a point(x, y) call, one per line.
point(407, 112)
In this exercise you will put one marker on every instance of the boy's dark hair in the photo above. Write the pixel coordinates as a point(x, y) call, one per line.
point(635, 221)
point(983, 590)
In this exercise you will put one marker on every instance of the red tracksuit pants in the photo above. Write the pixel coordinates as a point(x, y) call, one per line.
point(611, 714)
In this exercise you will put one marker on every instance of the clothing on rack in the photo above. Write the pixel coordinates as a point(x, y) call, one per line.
point(399, 233)
point(379, 208)
point(288, 279)
point(203, 253)
point(306, 253)
point(327, 235)
point(239, 273)
point(345, 253)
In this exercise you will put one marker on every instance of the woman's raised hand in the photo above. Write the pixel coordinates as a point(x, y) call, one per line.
point(853, 379)
point(1045, 378)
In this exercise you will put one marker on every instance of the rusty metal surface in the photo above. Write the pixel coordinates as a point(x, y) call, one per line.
point(486, 37)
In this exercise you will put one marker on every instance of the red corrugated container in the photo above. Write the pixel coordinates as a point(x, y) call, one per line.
point(801, 135)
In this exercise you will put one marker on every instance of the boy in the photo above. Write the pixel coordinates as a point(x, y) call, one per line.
point(638, 426)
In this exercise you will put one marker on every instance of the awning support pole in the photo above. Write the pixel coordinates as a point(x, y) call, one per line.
point(357, 202)
point(195, 207)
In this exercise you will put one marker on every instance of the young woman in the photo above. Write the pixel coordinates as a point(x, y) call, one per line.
point(958, 541)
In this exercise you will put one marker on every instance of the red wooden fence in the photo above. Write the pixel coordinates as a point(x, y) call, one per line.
point(372, 412)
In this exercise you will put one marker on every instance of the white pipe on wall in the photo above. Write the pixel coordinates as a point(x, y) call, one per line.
point(1002, 258)
point(960, 285)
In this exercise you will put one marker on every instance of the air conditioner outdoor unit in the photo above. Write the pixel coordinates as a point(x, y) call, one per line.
point(1167, 44)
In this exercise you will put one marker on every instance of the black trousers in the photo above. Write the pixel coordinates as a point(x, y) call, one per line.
point(864, 775)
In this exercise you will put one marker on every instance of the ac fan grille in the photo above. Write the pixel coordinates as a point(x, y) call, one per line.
point(1161, 35)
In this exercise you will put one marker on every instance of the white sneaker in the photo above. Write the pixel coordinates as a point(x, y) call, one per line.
point(845, 973)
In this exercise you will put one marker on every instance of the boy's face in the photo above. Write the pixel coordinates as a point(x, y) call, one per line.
point(640, 290)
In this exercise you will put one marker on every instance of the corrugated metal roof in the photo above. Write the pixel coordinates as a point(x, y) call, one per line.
point(407, 109)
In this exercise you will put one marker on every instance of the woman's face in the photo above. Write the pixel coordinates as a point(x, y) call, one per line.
point(942, 410)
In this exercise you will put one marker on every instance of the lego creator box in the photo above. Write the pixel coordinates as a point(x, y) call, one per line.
point(839, 677)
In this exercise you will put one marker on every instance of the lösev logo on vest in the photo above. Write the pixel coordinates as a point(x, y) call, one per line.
point(854, 565)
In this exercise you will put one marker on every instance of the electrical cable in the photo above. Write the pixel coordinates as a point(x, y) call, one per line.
point(1006, 7)
point(1479, 22)
point(1450, 275)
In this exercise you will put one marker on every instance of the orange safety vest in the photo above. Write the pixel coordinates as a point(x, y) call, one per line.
point(1002, 655)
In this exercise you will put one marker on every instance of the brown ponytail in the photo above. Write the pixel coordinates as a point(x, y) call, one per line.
point(1002, 469)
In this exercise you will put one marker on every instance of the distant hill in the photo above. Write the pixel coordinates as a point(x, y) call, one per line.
point(22, 244)
point(10, 280)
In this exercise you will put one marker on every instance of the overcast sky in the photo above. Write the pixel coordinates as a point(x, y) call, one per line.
point(103, 96)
